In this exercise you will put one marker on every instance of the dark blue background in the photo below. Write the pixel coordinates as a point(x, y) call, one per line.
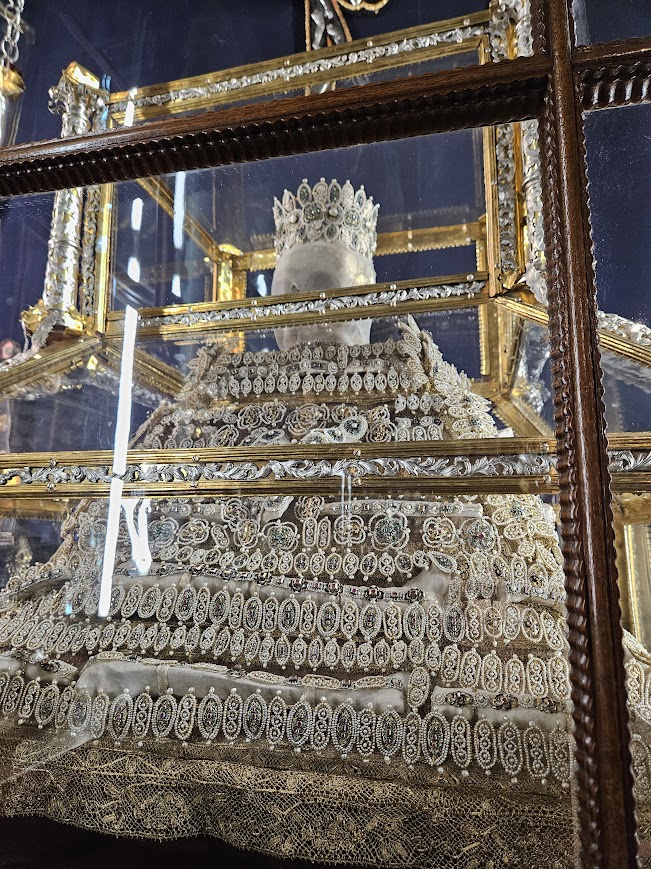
point(619, 171)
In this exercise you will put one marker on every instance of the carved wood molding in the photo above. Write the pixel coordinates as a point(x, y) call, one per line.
point(616, 74)
point(454, 99)
point(538, 12)
point(604, 800)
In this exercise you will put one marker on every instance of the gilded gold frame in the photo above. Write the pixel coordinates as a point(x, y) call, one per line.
point(298, 452)
point(103, 251)
point(632, 515)
point(437, 486)
point(255, 321)
point(194, 100)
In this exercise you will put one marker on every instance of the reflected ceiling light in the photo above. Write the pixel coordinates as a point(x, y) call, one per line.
point(179, 209)
point(176, 286)
point(261, 285)
point(122, 427)
point(133, 269)
point(136, 214)
point(130, 109)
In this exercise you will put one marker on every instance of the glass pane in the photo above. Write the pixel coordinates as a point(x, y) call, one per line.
point(628, 394)
point(526, 368)
point(72, 410)
point(457, 335)
point(76, 409)
point(330, 548)
point(180, 237)
point(620, 191)
point(179, 56)
point(599, 21)
point(24, 233)
point(618, 155)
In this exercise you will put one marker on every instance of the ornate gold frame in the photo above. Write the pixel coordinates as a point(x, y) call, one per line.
point(631, 521)
point(270, 78)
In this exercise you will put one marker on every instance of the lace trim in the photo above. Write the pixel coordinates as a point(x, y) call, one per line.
point(434, 738)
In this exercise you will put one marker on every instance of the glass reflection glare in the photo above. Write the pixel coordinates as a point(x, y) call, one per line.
point(130, 109)
point(179, 209)
point(122, 428)
point(133, 269)
point(136, 214)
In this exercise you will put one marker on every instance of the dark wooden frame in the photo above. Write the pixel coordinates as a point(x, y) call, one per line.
point(555, 85)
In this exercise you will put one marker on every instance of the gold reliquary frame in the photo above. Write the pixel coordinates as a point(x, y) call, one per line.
point(270, 79)
point(522, 464)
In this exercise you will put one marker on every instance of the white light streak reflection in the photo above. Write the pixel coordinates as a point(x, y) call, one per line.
point(139, 535)
point(179, 209)
point(133, 269)
point(130, 109)
point(136, 214)
point(122, 428)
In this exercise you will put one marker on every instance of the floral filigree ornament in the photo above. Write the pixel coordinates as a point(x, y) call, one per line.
point(325, 23)
point(303, 469)
point(326, 212)
point(629, 460)
point(390, 296)
point(367, 5)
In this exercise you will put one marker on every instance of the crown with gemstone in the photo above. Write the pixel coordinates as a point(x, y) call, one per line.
point(326, 212)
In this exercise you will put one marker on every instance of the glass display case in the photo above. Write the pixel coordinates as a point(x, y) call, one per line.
point(306, 527)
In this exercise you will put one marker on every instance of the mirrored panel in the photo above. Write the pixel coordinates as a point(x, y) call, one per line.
point(618, 154)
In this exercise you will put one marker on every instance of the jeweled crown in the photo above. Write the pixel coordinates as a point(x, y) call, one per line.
point(326, 212)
